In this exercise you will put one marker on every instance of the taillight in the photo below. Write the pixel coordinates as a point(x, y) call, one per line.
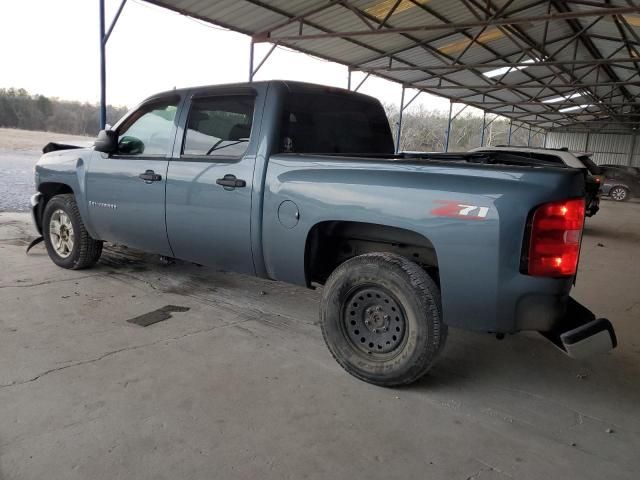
point(556, 232)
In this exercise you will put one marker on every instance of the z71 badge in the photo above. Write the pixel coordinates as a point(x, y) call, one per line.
point(460, 210)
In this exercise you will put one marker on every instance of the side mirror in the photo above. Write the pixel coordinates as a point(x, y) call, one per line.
point(106, 142)
point(130, 146)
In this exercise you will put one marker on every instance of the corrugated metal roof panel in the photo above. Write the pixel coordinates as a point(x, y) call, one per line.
point(573, 141)
point(548, 41)
point(610, 158)
point(609, 143)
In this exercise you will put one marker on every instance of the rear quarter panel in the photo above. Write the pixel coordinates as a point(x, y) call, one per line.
point(478, 258)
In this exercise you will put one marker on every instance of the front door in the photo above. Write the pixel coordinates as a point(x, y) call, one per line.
point(210, 179)
point(126, 189)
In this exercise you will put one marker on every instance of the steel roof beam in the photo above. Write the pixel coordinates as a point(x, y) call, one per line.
point(440, 55)
point(492, 65)
point(561, 16)
point(589, 45)
point(509, 86)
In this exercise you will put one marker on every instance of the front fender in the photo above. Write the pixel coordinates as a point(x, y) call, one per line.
point(62, 171)
point(37, 207)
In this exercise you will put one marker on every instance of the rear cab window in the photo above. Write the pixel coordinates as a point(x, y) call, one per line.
point(219, 126)
point(334, 123)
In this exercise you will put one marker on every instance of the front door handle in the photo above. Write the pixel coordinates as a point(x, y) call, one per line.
point(229, 182)
point(150, 176)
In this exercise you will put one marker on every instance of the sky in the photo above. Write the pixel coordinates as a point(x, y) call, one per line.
point(51, 47)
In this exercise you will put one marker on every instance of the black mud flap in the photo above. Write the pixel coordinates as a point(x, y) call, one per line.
point(580, 334)
point(34, 243)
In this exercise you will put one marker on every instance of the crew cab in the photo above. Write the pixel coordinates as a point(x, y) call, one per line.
point(300, 183)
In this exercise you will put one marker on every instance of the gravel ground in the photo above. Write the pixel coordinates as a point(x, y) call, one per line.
point(19, 152)
point(16, 179)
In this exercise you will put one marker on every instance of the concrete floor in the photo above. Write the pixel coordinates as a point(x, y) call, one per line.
point(241, 386)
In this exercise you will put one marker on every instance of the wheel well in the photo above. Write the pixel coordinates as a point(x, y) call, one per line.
point(333, 242)
point(50, 190)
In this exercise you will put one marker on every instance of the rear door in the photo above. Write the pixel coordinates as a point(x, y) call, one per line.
point(126, 189)
point(210, 180)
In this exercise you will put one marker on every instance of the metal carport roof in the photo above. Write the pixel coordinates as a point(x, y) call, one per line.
point(549, 63)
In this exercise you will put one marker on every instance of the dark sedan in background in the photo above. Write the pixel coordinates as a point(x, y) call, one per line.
point(620, 182)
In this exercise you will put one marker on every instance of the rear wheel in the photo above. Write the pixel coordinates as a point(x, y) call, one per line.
point(381, 319)
point(619, 194)
point(68, 243)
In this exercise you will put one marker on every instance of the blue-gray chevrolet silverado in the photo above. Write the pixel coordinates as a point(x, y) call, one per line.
point(300, 183)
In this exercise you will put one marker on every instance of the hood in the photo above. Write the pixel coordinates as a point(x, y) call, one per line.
point(55, 146)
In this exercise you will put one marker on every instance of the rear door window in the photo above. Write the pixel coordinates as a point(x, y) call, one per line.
point(219, 126)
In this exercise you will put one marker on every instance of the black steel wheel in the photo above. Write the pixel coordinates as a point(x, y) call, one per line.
point(374, 321)
point(381, 319)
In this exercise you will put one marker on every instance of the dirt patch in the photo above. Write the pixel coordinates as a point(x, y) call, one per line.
point(33, 140)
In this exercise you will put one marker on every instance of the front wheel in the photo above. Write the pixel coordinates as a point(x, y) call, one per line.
point(68, 243)
point(619, 194)
point(382, 320)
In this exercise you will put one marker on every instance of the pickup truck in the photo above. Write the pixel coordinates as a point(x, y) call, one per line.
point(300, 183)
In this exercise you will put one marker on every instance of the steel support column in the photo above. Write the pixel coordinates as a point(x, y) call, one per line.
point(484, 121)
point(544, 144)
point(253, 71)
point(446, 140)
point(634, 141)
point(251, 54)
point(104, 38)
point(362, 82)
point(103, 70)
point(510, 130)
point(529, 137)
point(399, 130)
point(586, 142)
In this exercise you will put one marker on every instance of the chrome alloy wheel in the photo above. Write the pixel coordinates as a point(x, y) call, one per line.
point(61, 233)
point(618, 194)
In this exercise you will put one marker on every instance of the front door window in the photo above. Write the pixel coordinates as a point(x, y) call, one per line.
point(148, 131)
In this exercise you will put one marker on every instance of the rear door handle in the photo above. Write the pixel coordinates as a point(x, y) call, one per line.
point(229, 182)
point(150, 176)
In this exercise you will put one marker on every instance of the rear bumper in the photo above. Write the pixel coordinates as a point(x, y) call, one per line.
point(580, 334)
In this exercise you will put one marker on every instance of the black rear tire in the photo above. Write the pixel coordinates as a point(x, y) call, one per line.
point(381, 318)
point(85, 251)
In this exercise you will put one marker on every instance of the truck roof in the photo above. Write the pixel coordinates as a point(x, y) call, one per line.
point(291, 85)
